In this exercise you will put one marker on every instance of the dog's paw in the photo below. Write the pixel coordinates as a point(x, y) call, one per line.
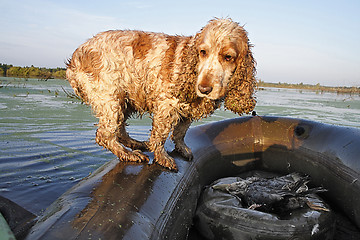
point(166, 161)
point(184, 151)
point(139, 156)
point(131, 156)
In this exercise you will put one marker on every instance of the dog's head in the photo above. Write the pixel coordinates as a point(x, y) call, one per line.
point(225, 63)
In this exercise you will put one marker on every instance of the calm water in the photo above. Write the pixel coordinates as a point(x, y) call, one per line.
point(47, 138)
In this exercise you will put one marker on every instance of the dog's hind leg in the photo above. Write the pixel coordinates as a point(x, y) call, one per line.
point(122, 134)
point(108, 130)
point(129, 142)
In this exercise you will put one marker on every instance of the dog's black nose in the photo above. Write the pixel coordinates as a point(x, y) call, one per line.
point(205, 89)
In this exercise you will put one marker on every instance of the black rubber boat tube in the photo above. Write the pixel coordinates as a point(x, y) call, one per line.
point(129, 201)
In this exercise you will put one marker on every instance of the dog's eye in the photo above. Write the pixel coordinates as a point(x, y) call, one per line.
point(203, 53)
point(228, 58)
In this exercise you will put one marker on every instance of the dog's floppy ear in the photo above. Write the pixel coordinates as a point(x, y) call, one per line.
point(183, 88)
point(240, 95)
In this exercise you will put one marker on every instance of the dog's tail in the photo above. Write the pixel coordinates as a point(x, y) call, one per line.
point(74, 75)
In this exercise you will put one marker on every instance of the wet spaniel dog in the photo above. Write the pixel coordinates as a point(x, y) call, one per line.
point(177, 79)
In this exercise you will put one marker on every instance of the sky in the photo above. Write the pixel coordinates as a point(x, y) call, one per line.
point(308, 41)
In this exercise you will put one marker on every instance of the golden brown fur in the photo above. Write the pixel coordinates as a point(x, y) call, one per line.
point(175, 78)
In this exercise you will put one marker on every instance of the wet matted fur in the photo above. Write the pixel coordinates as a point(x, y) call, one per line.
point(177, 79)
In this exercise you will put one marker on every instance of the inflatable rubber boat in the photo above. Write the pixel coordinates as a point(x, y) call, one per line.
point(140, 201)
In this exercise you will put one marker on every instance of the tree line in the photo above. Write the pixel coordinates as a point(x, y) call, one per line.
point(316, 88)
point(7, 70)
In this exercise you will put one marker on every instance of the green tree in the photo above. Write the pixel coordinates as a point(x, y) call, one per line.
point(5, 67)
point(14, 71)
point(59, 74)
point(35, 72)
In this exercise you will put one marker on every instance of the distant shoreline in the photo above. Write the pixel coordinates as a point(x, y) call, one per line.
point(8, 70)
point(59, 73)
point(261, 85)
point(316, 88)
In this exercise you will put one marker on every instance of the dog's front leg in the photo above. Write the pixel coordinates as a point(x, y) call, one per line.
point(178, 138)
point(163, 123)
